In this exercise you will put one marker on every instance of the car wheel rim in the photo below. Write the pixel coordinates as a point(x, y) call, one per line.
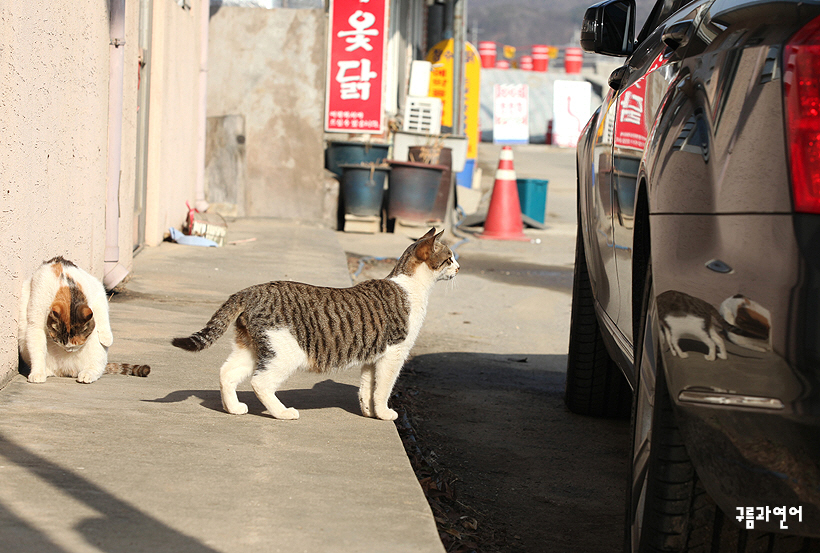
point(642, 439)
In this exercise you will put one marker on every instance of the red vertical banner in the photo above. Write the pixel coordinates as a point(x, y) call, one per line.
point(631, 130)
point(356, 64)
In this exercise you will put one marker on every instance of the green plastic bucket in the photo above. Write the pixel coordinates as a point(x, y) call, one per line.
point(532, 194)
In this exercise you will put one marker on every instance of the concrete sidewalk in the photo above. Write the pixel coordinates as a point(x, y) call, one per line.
point(130, 464)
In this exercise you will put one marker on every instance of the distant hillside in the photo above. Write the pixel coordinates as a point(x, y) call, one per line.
point(522, 23)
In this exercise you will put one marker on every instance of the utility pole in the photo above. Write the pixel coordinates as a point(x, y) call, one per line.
point(473, 33)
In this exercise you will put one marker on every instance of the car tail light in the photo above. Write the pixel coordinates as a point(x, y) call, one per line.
point(801, 85)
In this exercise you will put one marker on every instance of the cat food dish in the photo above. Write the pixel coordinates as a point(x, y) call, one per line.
point(63, 327)
point(282, 327)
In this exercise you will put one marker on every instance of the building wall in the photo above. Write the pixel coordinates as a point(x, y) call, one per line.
point(540, 98)
point(54, 133)
point(173, 120)
point(268, 66)
point(128, 156)
point(53, 145)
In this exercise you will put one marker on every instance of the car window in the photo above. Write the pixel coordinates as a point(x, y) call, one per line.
point(660, 11)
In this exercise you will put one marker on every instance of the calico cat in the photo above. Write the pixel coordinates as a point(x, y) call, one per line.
point(754, 320)
point(63, 327)
point(744, 322)
point(282, 327)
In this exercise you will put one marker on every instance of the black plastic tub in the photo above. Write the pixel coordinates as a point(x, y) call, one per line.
point(363, 188)
point(342, 152)
point(413, 189)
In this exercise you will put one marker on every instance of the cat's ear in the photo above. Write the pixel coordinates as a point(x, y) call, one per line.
point(438, 236)
point(424, 247)
point(85, 314)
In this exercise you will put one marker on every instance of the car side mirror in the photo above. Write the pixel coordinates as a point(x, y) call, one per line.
point(609, 28)
point(616, 78)
point(677, 35)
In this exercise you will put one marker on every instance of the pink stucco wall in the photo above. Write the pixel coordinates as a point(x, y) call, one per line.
point(172, 153)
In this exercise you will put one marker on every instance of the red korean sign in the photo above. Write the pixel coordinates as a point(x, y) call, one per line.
point(630, 125)
point(355, 69)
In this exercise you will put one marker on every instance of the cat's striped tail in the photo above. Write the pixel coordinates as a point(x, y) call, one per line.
point(127, 368)
point(216, 327)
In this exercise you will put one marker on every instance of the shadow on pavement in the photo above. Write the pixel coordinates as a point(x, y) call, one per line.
point(535, 476)
point(120, 527)
point(324, 395)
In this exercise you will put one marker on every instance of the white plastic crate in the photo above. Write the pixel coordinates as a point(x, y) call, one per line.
point(422, 114)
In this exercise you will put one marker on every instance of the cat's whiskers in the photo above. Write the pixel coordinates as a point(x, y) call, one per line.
point(453, 284)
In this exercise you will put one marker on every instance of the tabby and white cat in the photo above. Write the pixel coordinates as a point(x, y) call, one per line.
point(684, 316)
point(282, 327)
point(63, 327)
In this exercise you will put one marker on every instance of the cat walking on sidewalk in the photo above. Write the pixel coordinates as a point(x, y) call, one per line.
point(282, 327)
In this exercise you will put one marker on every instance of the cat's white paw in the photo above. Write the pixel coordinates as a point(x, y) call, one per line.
point(683, 355)
point(106, 338)
point(238, 409)
point(388, 415)
point(87, 377)
point(37, 377)
point(289, 414)
point(365, 407)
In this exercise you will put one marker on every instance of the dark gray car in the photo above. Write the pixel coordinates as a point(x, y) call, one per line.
point(696, 300)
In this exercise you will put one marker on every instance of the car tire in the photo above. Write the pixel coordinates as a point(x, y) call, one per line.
point(595, 385)
point(660, 492)
point(668, 509)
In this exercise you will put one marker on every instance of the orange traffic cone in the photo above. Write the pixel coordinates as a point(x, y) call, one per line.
point(504, 216)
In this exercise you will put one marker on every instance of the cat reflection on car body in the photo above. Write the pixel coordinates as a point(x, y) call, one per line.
point(742, 321)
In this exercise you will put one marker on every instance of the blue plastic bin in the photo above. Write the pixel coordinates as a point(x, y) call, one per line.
point(465, 178)
point(532, 195)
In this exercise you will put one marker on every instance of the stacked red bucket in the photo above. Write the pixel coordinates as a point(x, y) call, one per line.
point(573, 60)
point(540, 57)
point(525, 63)
point(487, 53)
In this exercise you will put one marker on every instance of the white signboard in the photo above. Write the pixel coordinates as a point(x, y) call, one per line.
point(511, 114)
point(570, 111)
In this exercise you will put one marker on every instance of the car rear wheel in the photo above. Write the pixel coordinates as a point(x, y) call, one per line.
point(595, 384)
point(668, 509)
point(661, 488)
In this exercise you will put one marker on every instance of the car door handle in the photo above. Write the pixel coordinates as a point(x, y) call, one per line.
point(677, 34)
